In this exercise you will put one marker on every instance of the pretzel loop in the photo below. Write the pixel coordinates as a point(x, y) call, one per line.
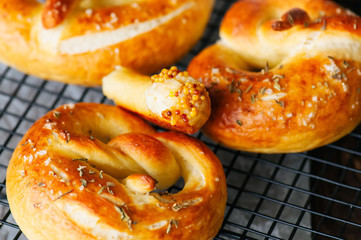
point(281, 75)
point(81, 41)
point(94, 169)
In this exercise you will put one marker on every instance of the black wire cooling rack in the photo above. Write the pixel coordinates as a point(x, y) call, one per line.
point(313, 195)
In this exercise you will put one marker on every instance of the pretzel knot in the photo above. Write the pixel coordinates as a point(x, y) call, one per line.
point(284, 77)
point(89, 171)
point(80, 41)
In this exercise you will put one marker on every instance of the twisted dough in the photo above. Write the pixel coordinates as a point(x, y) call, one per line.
point(86, 171)
point(80, 41)
point(308, 91)
point(172, 99)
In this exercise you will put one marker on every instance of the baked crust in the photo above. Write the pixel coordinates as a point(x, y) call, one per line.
point(285, 76)
point(85, 171)
point(79, 42)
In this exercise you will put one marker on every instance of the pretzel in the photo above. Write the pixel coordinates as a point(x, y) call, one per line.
point(81, 41)
point(171, 99)
point(90, 171)
point(284, 76)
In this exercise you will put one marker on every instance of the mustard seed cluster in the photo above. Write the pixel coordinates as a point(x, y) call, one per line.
point(168, 73)
point(189, 97)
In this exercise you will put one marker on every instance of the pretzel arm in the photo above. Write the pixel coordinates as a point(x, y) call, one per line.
point(171, 99)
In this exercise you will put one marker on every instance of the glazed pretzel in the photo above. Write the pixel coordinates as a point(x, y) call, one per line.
point(80, 41)
point(308, 91)
point(171, 99)
point(88, 171)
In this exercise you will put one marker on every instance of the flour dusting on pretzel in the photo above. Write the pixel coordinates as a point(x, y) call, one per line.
point(90, 171)
point(284, 77)
point(80, 41)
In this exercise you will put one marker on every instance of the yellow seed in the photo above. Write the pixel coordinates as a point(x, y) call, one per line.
point(193, 114)
point(185, 106)
point(184, 74)
point(194, 109)
point(185, 91)
point(169, 73)
point(195, 97)
point(202, 85)
point(173, 121)
point(171, 94)
point(203, 98)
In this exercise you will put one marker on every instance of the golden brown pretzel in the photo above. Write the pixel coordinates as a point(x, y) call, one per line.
point(171, 99)
point(308, 91)
point(80, 41)
point(86, 171)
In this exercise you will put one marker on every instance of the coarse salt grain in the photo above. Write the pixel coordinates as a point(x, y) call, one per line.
point(49, 125)
point(42, 152)
point(47, 161)
point(89, 12)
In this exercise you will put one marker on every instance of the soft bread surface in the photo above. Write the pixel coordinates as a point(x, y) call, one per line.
point(80, 41)
point(284, 77)
point(88, 171)
point(172, 99)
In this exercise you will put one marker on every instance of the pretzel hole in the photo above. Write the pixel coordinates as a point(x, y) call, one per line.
point(175, 188)
point(178, 186)
point(257, 67)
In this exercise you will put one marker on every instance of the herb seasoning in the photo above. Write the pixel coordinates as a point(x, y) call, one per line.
point(249, 88)
point(253, 98)
point(290, 19)
point(266, 68)
point(124, 216)
point(56, 114)
point(172, 222)
point(62, 195)
point(80, 159)
point(281, 103)
point(83, 182)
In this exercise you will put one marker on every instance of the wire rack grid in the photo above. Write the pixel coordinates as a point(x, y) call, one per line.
point(313, 195)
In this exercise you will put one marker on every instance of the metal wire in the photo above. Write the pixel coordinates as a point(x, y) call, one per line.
point(284, 196)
